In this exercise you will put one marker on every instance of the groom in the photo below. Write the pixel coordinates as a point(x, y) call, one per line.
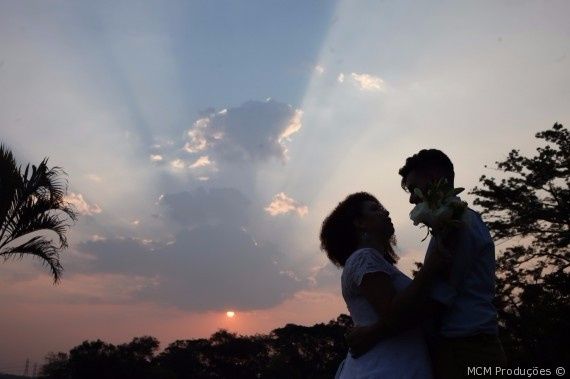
point(463, 328)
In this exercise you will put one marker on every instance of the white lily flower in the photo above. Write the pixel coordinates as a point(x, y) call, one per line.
point(440, 210)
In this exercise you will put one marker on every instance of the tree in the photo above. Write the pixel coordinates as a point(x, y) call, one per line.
point(185, 358)
point(529, 210)
point(93, 360)
point(32, 203)
point(98, 359)
point(135, 358)
point(231, 356)
point(56, 366)
point(308, 351)
point(293, 351)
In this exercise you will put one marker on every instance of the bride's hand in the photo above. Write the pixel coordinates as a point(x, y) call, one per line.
point(360, 339)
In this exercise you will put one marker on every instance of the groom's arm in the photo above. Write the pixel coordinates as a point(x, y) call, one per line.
point(464, 246)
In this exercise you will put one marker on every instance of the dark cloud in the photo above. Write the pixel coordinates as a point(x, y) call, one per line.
point(212, 264)
point(206, 268)
point(216, 267)
point(115, 256)
point(254, 131)
point(201, 206)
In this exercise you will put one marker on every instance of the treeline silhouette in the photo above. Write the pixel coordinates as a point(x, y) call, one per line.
point(293, 351)
point(527, 209)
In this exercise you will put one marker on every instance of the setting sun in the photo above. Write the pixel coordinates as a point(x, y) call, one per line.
point(230, 314)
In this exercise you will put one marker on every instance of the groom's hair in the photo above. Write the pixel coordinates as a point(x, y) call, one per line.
point(425, 160)
point(339, 235)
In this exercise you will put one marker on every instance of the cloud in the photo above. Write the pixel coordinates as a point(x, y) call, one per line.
point(202, 162)
point(94, 177)
point(319, 69)
point(201, 206)
point(325, 276)
point(198, 136)
point(208, 267)
point(156, 157)
point(114, 256)
point(293, 127)
point(254, 131)
point(340, 78)
point(282, 204)
point(367, 82)
point(79, 203)
point(178, 164)
point(211, 262)
point(220, 267)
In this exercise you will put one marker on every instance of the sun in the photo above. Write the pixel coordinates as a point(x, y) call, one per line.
point(230, 314)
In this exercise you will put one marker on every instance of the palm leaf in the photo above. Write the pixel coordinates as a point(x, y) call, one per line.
point(41, 184)
point(10, 182)
point(41, 248)
point(32, 201)
point(39, 215)
point(45, 181)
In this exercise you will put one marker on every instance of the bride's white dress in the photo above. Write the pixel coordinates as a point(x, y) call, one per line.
point(402, 356)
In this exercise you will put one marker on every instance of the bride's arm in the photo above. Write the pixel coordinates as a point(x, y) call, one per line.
point(399, 311)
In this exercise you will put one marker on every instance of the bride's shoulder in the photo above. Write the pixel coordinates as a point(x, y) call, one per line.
point(362, 252)
point(366, 254)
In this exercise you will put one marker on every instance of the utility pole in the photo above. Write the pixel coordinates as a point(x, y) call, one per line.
point(27, 369)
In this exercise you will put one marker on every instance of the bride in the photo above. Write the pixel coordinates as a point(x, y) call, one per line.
point(359, 237)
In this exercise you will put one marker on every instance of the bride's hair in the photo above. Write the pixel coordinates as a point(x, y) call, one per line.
point(340, 237)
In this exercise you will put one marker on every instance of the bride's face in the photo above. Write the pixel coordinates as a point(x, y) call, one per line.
point(376, 220)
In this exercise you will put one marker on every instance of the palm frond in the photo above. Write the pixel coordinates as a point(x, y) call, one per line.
point(44, 181)
point(41, 248)
point(31, 201)
point(10, 181)
point(41, 215)
point(39, 184)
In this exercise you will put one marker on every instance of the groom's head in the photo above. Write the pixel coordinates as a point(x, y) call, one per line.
point(423, 168)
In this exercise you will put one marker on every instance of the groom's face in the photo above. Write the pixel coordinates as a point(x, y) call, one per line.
point(418, 179)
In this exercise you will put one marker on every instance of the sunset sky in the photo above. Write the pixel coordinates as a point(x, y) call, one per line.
point(205, 141)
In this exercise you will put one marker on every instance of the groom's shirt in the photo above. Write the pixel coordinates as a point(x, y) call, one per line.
point(469, 290)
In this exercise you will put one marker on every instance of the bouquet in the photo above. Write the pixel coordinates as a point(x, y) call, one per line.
point(440, 207)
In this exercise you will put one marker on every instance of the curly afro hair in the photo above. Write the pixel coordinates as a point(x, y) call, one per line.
point(339, 236)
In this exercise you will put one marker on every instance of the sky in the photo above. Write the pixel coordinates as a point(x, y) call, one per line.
point(205, 142)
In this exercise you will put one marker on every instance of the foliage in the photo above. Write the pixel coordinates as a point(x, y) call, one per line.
point(529, 209)
point(293, 351)
point(32, 203)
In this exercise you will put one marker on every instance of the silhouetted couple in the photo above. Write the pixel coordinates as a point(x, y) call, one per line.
point(434, 326)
